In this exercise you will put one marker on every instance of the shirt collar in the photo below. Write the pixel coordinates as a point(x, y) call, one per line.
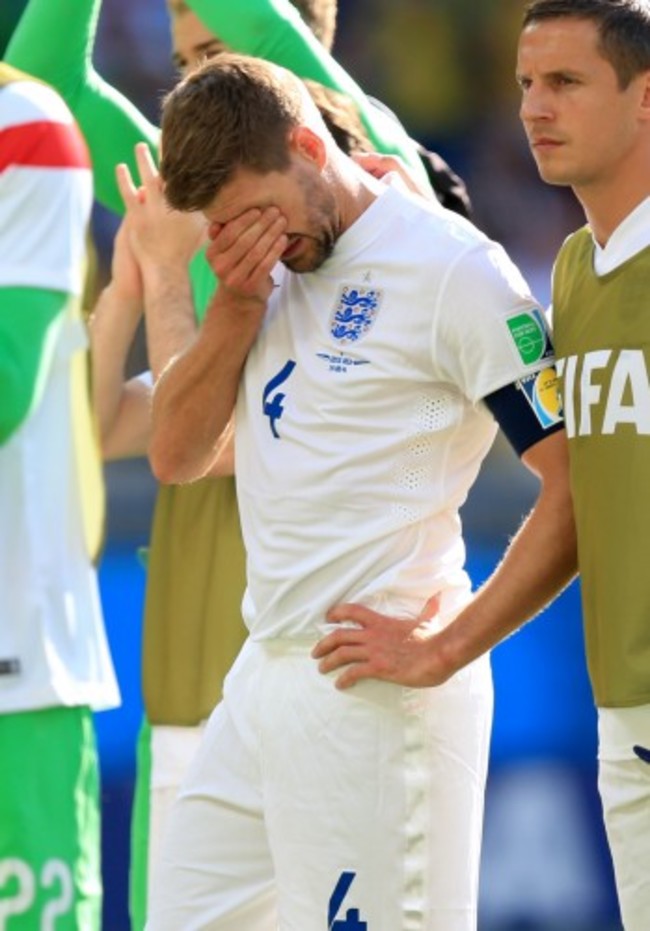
point(629, 238)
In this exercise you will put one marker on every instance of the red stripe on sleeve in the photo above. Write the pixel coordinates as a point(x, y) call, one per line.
point(43, 144)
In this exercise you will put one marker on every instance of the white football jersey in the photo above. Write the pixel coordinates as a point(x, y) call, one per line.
point(360, 427)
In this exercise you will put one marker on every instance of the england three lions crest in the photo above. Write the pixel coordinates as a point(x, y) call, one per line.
point(354, 313)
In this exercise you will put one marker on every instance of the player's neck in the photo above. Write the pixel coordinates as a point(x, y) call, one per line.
point(359, 190)
point(607, 206)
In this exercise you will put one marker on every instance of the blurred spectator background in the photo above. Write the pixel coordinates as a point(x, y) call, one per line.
point(447, 68)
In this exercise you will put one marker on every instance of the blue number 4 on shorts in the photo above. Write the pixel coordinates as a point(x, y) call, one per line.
point(352, 920)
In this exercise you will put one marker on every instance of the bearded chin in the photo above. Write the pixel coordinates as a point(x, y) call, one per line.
point(323, 247)
point(323, 250)
point(326, 247)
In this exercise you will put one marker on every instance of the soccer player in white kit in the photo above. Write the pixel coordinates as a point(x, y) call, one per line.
point(364, 338)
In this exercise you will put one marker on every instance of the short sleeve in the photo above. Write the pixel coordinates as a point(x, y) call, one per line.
point(489, 331)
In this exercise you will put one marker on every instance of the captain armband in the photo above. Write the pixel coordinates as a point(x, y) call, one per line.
point(528, 409)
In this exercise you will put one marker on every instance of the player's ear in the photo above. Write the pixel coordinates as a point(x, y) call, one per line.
point(305, 142)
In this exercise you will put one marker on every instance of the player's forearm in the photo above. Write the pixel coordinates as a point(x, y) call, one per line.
point(129, 434)
point(539, 563)
point(121, 407)
point(195, 395)
point(169, 313)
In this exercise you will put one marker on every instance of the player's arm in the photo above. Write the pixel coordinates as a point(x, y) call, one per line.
point(163, 243)
point(122, 406)
point(274, 30)
point(194, 397)
point(541, 558)
point(539, 562)
point(151, 270)
point(28, 318)
point(149, 274)
point(54, 41)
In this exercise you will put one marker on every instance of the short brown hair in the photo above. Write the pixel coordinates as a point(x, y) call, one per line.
point(232, 111)
point(623, 29)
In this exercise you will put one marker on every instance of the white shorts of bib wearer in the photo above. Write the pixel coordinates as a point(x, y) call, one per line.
point(308, 808)
point(624, 784)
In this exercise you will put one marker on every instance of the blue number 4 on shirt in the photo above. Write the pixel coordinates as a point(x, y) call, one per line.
point(272, 403)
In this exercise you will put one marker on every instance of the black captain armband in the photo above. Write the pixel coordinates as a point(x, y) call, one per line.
point(528, 409)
